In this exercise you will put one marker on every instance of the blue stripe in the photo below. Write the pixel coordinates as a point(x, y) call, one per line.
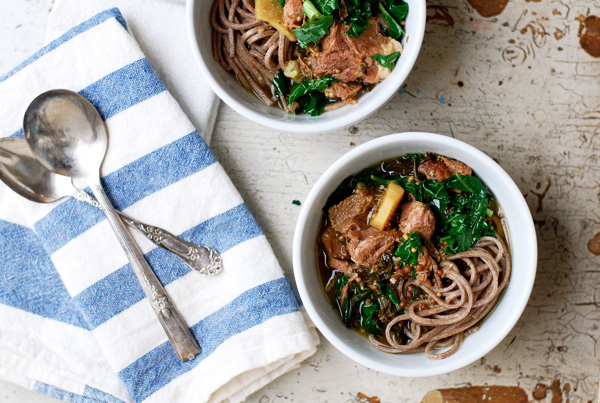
point(123, 88)
point(30, 281)
point(120, 90)
point(160, 366)
point(95, 396)
point(126, 186)
point(72, 33)
point(99, 395)
point(120, 290)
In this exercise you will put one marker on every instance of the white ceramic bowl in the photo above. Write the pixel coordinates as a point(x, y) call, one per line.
point(229, 90)
point(503, 317)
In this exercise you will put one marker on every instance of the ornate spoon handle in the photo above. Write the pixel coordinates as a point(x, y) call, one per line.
point(200, 258)
point(177, 331)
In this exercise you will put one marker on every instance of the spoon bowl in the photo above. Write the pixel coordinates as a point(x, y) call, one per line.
point(69, 135)
point(23, 173)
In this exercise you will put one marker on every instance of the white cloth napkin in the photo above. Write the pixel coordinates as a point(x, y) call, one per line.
point(159, 28)
point(75, 323)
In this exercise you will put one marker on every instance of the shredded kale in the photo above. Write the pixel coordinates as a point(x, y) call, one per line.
point(315, 29)
point(327, 7)
point(359, 12)
point(460, 217)
point(466, 222)
point(408, 251)
point(387, 61)
point(394, 30)
point(398, 9)
point(387, 292)
point(282, 3)
point(309, 95)
point(362, 305)
point(279, 85)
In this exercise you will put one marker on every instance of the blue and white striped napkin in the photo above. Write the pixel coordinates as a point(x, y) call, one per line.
point(74, 323)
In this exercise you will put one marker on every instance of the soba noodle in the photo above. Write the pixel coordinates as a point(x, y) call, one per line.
point(477, 278)
point(252, 49)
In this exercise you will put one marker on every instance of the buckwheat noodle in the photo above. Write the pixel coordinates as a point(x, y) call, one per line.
point(252, 49)
point(467, 290)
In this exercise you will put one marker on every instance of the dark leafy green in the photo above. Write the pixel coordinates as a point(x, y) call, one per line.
point(408, 251)
point(398, 9)
point(394, 30)
point(387, 292)
point(417, 157)
point(313, 31)
point(362, 305)
point(309, 95)
point(387, 61)
point(279, 85)
point(368, 310)
point(303, 88)
point(466, 183)
point(436, 195)
point(411, 186)
point(359, 12)
point(327, 7)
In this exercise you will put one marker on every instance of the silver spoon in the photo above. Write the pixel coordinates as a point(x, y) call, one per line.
point(23, 173)
point(67, 135)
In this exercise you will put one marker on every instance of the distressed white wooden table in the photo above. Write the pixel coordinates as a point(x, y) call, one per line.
point(519, 79)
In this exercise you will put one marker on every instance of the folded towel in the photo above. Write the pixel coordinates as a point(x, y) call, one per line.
point(75, 323)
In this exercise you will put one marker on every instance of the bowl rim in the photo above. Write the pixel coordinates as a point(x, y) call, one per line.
point(529, 261)
point(359, 113)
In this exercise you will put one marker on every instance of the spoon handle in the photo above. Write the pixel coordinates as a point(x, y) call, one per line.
point(177, 331)
point(200, 258)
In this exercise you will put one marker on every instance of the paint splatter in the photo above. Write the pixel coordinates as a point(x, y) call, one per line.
point(418, 91)
point(296, 202)
point(540, 391)
point(589, 34)
point(488, 8)
point(594, 244)
point(401, 90)
point(362, 398)
point(443, 97)
point(556, 392)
